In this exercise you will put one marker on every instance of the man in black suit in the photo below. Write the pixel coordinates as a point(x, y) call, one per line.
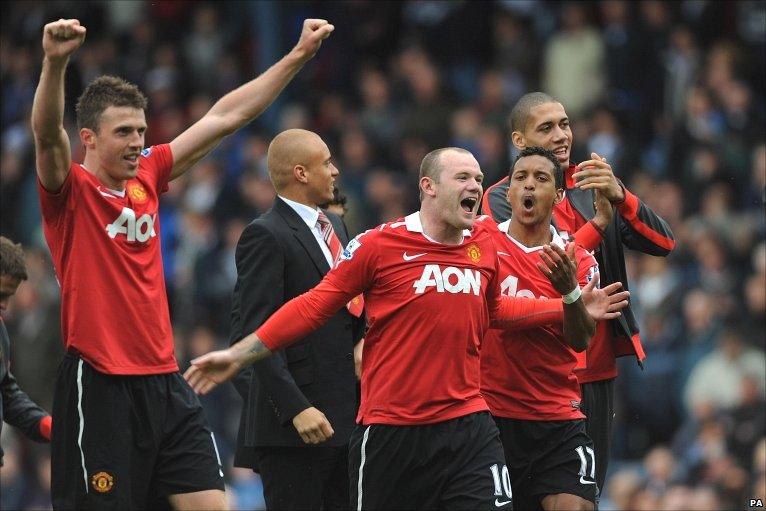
point(300, 406)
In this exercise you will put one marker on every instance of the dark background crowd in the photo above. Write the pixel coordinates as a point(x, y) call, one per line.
point(671, 93)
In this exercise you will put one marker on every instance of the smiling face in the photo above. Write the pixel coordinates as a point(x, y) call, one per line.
point(320, 172)
point(458, 189)
point(116, 145)
point(532, 191)
point(548, 127)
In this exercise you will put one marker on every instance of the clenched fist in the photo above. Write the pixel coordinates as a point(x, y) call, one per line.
point(314, 32)
point(61, 38)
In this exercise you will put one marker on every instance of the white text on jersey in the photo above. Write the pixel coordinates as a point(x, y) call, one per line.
point(451, 280)
point(140, 229)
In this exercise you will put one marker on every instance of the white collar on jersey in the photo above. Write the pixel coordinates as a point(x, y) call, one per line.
point(413, 224)
point(558, 240)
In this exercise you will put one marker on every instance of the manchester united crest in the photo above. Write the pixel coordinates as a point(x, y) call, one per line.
point(102, 482)
point(137, 192)
point(473, 252)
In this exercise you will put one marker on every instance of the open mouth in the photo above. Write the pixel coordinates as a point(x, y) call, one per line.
point(560, 151)
point(528, 203)
point(468, 204)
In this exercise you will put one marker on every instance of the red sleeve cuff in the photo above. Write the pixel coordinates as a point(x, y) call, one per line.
point(589, 236)
point(46, 424)
point(629, 207)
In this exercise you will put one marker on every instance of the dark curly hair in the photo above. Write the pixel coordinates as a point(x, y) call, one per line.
point(558, 173)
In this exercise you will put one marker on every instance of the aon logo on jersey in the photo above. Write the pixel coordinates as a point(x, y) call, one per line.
point(134, 229)
point(509, 287)
point(450, 279)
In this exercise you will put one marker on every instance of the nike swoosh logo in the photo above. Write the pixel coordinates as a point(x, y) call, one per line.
point(503, 253)
point(499, 503)
point(411, 257)
point(583, 481)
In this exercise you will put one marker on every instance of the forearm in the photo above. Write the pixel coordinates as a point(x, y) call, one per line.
point(520, 313)
point(249, 349)
point(245, 103)
point(579, 327)
point(48, 104)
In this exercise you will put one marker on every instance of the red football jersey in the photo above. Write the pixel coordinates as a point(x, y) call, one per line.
point(427, 306)
point(529, 374)
point(106, 253)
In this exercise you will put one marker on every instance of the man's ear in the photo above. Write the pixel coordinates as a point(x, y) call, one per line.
point(88, 137)
point(299, 173)
point(559, 196)
point(518, 140)
point(427, 186)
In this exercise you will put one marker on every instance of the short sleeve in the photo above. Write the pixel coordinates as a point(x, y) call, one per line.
point(54, 204)
point(355, 270)
point(158, 160)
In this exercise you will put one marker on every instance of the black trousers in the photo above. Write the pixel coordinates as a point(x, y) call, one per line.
point(311, 477)
point(598, 406)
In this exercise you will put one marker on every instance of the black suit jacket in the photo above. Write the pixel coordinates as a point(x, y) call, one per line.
point(278, 258)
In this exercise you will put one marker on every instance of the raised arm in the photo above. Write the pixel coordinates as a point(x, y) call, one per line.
point(52, 152)
point(242, 105)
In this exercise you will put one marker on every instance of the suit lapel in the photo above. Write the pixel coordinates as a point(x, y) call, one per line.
point(302, 234)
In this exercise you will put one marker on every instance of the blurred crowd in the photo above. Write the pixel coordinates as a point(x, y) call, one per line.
point(671, 93)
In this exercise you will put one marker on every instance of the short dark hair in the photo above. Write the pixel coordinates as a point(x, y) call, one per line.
point(12, 259)
point(558, 173)
point(103, 92)
point(431, 167)
point(525, 104)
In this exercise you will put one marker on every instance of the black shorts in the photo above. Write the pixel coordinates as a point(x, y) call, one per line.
point(455, 464)
point(598, 404)
point(123, 442)
point(547, 458)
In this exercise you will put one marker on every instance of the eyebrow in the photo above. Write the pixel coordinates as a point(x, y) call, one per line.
point(543, 124)
point(129, 127)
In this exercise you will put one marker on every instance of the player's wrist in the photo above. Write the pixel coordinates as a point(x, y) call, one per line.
point(572, 296)
point(56, 60)
point(624, 195)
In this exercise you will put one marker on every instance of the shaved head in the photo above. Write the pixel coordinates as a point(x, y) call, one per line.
point(431, 165)
point(525, 104)
point(288, 149)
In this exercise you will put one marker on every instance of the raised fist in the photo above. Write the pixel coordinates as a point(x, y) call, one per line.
point(314, 32)
point(61, 38)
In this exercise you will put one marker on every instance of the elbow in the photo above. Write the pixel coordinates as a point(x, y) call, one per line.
point(581, 342)
point(580, 345)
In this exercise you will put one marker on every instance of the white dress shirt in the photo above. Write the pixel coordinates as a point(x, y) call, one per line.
point(311, 217)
